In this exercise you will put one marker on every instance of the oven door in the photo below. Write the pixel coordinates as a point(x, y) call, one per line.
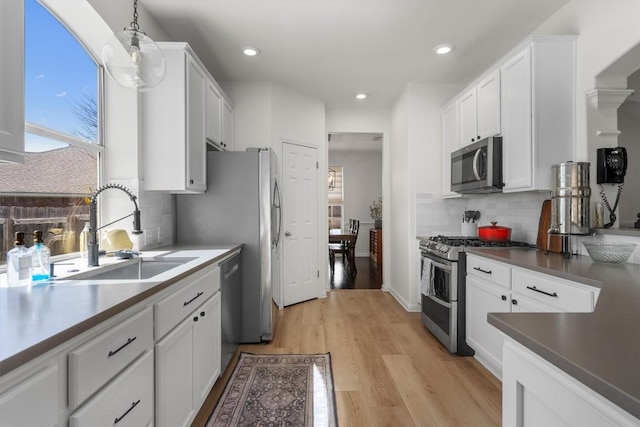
point(439, 299)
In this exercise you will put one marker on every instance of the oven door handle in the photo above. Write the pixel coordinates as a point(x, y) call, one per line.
point(439, 301)
point(438, 264)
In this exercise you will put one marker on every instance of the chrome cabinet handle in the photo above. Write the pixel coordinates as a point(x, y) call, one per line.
point(129, 341)
point(533, 288)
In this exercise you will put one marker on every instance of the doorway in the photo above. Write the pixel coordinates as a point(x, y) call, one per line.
point(355, 159)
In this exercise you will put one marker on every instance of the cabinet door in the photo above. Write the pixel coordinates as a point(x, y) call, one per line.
point(206, 348)
point(214, 113)
point(227, 126)
point(484, 298)
point(450, 143)
point(468, 118)
point(34, 402)
point(174, 376)
point(517, 149)
point(196, 143)
point(12, 81)
point(489, 105)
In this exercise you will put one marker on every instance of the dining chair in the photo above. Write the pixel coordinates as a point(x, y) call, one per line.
point(340, 248)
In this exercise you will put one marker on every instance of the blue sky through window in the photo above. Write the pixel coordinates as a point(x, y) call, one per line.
point(59, 73)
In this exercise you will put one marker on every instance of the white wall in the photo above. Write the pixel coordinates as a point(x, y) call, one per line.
point(629, 125)
point(362, 185)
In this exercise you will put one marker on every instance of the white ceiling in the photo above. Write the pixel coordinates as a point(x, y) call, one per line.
point(333, 49)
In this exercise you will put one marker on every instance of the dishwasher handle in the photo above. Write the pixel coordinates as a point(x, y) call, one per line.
point(230, 266)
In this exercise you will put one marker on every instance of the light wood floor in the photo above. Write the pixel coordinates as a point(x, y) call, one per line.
point(388, 369)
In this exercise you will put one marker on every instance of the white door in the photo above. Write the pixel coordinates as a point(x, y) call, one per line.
point(300, 223)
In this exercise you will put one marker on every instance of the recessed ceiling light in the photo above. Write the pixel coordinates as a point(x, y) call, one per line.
point(250, 51)
point(443, 49)
point(362, 96)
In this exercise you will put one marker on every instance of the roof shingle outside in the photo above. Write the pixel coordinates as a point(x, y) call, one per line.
point(70, 170)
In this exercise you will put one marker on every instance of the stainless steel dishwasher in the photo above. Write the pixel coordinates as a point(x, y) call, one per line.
point(231, 307)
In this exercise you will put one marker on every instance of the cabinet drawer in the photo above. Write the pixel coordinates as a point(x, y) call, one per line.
point(96, 362)
point(34, 402)
point(562, 295)
point(127, 401)
point(495, 272)
point(175, 307)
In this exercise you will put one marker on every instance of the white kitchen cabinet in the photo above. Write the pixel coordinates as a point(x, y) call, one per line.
point(174, 125)
point(94, 363)
point(450, 143)
point(538, 111)
point(214, 113)
point(187, 365)
point(227, 126)
point(126, 401)
point(484, 297)
point(536, 393)
point(480, 110)
point(32, 402)
point(12, 81)
point(496, 287)
point(188, 353)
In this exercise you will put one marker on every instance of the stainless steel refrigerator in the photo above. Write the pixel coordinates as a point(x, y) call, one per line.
point(242, 204)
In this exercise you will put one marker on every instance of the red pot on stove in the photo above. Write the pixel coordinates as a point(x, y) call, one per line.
point(494, 233)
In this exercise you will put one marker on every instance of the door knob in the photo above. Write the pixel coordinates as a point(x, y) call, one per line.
point(287, 234)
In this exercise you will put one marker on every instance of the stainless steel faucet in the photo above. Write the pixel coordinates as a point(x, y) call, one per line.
point(93, 249)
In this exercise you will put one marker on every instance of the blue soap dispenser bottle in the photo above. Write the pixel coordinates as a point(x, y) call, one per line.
point(40, 255)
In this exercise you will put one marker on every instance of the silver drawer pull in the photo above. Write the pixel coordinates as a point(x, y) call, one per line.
point(533, 288)
point(184, 304)
point(482, 271)
point(129, 341)
point(125, 414)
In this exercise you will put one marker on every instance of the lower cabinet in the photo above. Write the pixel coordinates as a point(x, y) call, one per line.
point(483, 298)
point(187, 365)
point(126, 401)
point(496, 287)
point(33, 402)
point(536, 393)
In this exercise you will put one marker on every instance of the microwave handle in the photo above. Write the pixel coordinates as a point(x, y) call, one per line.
point(475, 163)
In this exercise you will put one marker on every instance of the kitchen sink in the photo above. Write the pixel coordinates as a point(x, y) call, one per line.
point(134, 269)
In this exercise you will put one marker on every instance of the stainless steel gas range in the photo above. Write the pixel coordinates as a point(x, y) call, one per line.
point(442, 285)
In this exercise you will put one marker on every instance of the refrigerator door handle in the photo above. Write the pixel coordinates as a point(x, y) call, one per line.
point(277, 204)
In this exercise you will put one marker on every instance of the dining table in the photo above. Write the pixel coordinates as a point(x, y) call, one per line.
point(337, 235)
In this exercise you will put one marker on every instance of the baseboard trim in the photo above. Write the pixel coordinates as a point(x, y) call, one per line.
point(414, 308)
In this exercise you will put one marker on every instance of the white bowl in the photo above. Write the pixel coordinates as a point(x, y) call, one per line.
point(613, 252)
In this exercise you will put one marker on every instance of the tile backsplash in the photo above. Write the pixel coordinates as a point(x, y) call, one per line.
point(520, 211)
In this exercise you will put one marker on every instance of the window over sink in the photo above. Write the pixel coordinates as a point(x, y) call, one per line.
point(62, 138)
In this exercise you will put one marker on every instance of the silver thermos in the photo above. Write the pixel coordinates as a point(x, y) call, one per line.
point(571, 193)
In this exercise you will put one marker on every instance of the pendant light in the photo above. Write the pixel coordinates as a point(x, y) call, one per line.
point(132, 59)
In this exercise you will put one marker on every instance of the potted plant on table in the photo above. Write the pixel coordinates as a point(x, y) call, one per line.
point(375, 209)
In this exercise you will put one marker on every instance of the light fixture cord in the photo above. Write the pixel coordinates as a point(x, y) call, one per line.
point(134, 24)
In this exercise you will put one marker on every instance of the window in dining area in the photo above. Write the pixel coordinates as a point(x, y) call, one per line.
point(336, 199)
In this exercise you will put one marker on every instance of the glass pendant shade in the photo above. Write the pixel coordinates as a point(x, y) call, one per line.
point(134, 60)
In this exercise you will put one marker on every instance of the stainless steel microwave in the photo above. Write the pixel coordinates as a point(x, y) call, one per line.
point(477, 168)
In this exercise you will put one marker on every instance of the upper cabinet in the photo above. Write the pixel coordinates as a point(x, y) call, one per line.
point(180, 116)
point(538, 112)
point(480, 110)
point(12, 81)
point(219, 119)
point(528, 97)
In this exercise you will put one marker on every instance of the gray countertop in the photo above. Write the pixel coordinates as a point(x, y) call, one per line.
point(36, 319)
point(599, 349)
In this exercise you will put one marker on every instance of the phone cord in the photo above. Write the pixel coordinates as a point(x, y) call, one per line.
point(612, 215)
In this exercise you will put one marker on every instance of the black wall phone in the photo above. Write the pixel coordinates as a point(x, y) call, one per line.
point(611, 168)
point(612, 165)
